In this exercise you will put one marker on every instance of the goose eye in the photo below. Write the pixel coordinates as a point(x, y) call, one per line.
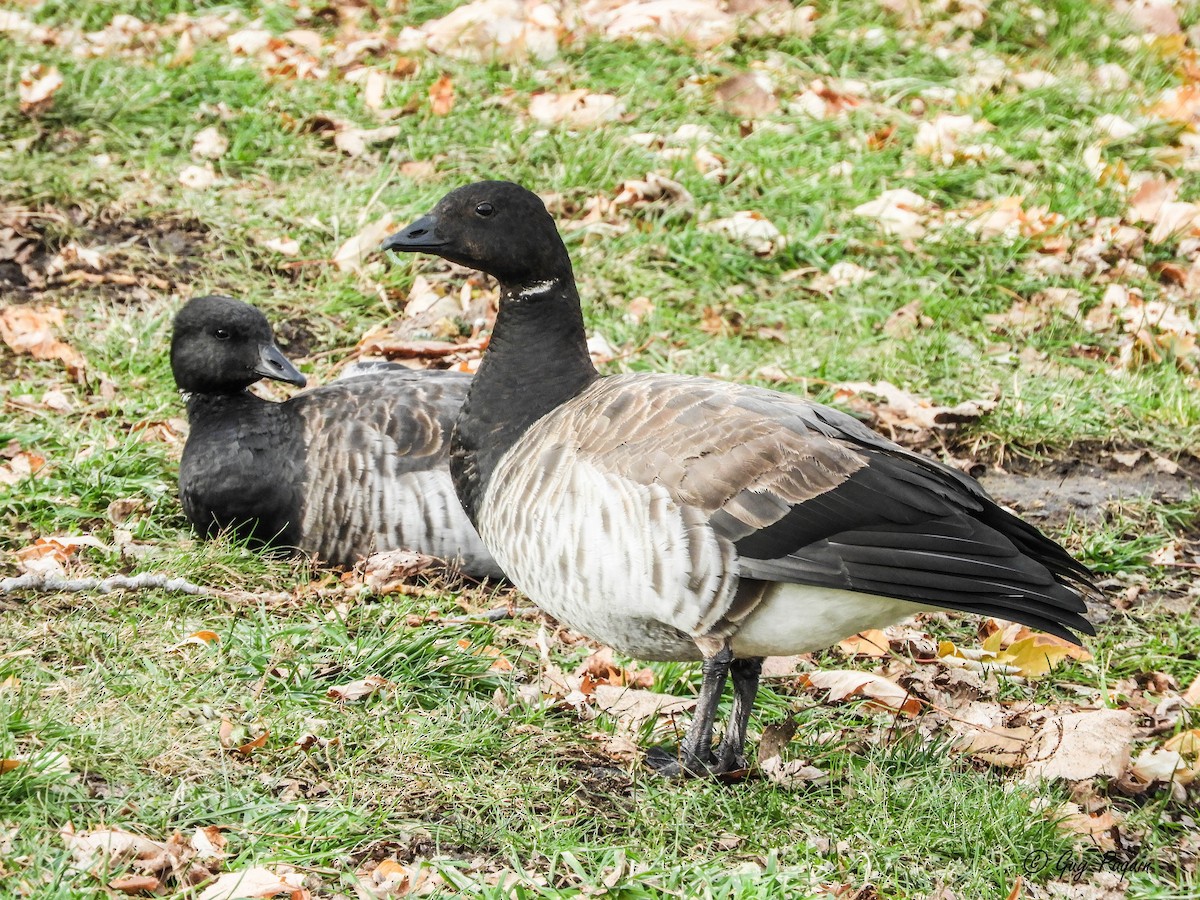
point(484, 209)
point(221, 334)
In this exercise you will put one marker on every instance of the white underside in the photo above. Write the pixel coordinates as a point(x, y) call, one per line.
point(799, 618)
point(620, 562)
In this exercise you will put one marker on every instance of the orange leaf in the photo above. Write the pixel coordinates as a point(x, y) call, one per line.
point(250, 746)
point(441, 96)
point(872, 642)
point(30, 329)
point(135, 884)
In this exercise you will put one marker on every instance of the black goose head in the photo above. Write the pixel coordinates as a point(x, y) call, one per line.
point(222, 346)
point(495, 226)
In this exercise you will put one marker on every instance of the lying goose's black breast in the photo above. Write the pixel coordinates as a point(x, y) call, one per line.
point(242, 469)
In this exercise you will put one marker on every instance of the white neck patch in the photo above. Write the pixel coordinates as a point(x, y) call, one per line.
point(538, 288)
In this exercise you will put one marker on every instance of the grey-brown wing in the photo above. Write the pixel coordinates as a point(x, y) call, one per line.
point(810, 495)
point(376, 466)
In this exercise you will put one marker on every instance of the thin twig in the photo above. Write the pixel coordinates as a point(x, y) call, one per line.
point(144, 581)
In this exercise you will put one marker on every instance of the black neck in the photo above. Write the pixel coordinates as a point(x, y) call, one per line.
point(201, 405)
point(537, 360)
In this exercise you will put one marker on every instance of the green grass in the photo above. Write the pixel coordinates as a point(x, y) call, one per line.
point(437, 766)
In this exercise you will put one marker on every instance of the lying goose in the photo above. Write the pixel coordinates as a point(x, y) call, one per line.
point(340, 471)
point(684, 518)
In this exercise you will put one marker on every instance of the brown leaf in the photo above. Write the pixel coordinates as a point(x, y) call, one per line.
point(209, 143)
point(1180, 104)
point(257, 882)
point(31, 329)
point(747, 95)
point(110, 847)
point(257, 743)
point(37, 87)
point(844, 683)
point(136, 884)
point(354, 141)
point(349, 256)
point(751, 229)
point(631, 706)
point(899, 212)
point(441, 96)
point(575, 109)
point(1155, 17)
point(385, 573)
point(23, 464)
point(357, 690)
point(1098, 828)
point(1082, 745)
point(1192, 695)
point(866, 643)
point(906, 411)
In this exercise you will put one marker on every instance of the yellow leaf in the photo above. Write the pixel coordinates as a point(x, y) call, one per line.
point(1186, 743)
point(1039, 654)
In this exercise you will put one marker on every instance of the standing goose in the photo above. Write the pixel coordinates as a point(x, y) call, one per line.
point(677, 518)
point(340, 471)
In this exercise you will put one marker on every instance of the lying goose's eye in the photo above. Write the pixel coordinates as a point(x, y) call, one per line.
point(222, 334)
point(484, 209)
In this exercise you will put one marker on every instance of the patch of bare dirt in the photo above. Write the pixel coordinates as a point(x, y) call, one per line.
point(1085, 484)
point(47, 252)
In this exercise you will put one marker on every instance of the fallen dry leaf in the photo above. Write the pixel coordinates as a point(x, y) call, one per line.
point(899, 212)
point(200, 638)
point(357, 690)
point(111, 848)
point(1192, 695)
point(905, 411)
point(1167, 766)
point(37, 87)
point(285, 246)
point(841, 274)
point(941, 139)
point(198, 178)
point(232, 737)
point(844, 683)
point(136, 884)
point(866, 643)
point(31, 329)
point(354, 141)
point(485, 30)
point(633, 706)
point(1082, 745)
point(21, 465)
point(209, 143)
point(1030, 654)
point(702, 23)
point(386, 572)
point(441, 96)
point(349, 256)
point(1096, 828)
point(575, 109)
point(256, 882)
point(1179, 104)
point(751, 229)
point(47, 762)
point(748, 95)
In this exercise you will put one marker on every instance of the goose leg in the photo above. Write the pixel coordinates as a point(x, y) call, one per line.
point(730, 756)
point(695, 756)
